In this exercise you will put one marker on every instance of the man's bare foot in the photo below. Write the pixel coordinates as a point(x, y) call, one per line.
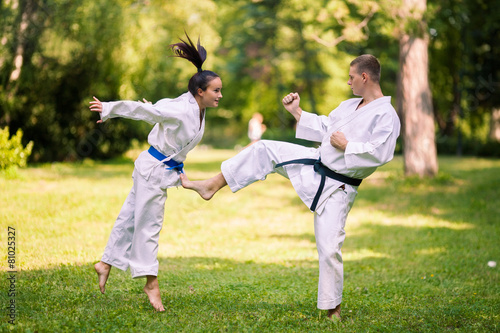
point(205, 188)
point(334, 314)
point(152, 289)
point(102, 270)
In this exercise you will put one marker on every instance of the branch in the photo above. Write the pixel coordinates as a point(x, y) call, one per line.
point(341, 38)
point(326, 43)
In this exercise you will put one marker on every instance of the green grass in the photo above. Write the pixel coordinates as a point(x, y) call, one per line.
point(415, 256)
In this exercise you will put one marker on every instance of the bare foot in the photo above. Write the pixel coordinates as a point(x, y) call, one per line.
point(334, 314)
point(205, 188)
point(152, 289)
point(102, 270)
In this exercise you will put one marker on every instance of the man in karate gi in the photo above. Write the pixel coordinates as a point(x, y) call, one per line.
point(356, 138)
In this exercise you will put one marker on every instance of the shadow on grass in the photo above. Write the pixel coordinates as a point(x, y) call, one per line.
point(397, 278)
point(200, 294)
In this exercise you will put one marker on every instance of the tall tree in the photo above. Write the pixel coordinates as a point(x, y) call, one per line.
point(56, 54)
point(54, 51)
point(269, 55)
point(414, 96)
point(481, 41)
point(19, 28)
point(447, 24)
point(464, 69)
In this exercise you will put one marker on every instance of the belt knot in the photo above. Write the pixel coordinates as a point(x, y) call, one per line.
point(324, 172)
point(318, 166)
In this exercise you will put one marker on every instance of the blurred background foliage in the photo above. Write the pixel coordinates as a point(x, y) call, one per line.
point(56, 54)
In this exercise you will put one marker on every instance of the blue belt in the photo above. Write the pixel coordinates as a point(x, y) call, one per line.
point(171, 163)
point(324, 172)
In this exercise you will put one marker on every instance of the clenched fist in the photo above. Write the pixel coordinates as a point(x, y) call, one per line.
point(291, 104)
point(338, 140)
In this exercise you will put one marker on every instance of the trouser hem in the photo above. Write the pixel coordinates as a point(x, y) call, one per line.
point(115, 263)
point(136, 273)
point(227, 172)
point(330, 305)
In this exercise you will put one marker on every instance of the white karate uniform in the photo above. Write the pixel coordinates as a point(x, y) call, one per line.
point(133, 242)
point(371, 130)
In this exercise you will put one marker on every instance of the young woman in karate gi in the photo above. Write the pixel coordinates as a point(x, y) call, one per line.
point(356, 138)
point(178, 127)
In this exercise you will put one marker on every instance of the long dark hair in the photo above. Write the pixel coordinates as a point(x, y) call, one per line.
point(197, 56)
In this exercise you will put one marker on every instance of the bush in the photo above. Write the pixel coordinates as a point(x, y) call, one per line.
point(12, 153)
point(469, 147)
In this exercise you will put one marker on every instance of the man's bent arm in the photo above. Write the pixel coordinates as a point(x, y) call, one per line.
point(291, 104)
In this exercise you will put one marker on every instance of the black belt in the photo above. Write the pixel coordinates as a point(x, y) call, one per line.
point(324, 172)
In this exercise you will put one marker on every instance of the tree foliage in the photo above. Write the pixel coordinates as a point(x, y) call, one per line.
point(464, 67)
point(63, 59)
point(12, 152)
point(56, 54)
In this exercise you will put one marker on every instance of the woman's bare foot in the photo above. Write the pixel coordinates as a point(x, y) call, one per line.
point(334, 314)
point(102, 270)
point(205, 188)
point(152, 289)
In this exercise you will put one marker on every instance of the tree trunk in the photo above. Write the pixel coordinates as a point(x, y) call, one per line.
point(414, 97)
point(27, 16)
point(495, 125)
point(22, 39)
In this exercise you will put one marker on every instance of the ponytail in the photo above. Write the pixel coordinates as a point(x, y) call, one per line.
point(197, 56)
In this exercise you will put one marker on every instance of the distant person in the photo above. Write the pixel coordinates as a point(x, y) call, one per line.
point(356, 138)
point(256, 128)
point(178, 127)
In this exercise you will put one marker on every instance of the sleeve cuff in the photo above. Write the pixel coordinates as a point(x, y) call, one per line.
point(106, 108)
point(306, 127)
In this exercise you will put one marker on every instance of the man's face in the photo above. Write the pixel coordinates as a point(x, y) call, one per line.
point(355, 81)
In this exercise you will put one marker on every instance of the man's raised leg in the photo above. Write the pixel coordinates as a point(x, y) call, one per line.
point(250, 165)
point(205, 188)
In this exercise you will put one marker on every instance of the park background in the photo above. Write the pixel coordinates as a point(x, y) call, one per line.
point(422, 232)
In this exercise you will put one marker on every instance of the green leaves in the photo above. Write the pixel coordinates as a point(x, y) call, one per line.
point(12, 152)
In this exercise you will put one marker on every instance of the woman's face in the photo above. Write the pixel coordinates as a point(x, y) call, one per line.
point(211, 96)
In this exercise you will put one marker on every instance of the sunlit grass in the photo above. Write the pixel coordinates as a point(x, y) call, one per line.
point(415, 257)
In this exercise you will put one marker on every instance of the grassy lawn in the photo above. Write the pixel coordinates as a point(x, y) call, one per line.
point(415, 257)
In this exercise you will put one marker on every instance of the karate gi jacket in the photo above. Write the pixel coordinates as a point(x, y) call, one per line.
point(176, 129)
point(371, 130)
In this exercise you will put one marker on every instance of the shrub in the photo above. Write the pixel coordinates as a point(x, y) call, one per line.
point(12, 153)
point(469, 147)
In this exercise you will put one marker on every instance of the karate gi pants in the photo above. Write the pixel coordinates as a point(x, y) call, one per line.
point(255, 163)
point(133, 242)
